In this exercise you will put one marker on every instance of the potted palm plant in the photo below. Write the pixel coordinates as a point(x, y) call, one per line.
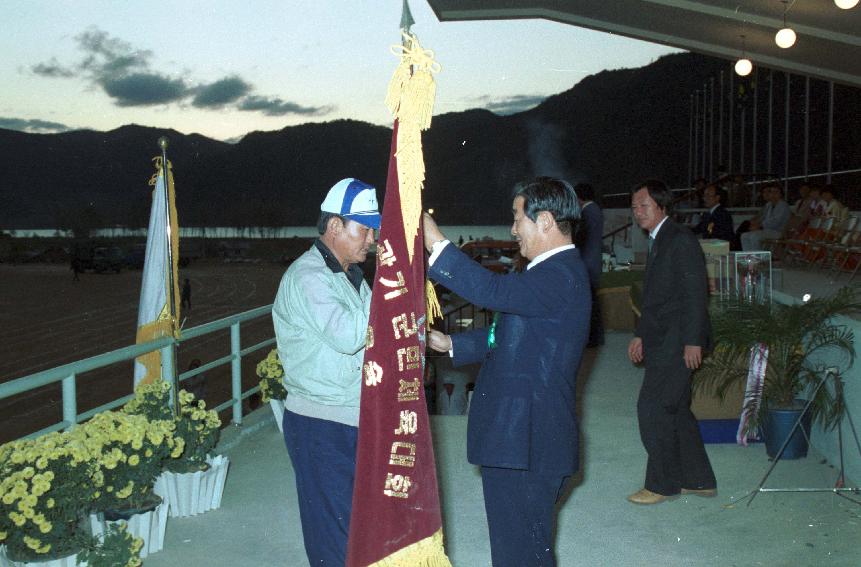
point(798, 338)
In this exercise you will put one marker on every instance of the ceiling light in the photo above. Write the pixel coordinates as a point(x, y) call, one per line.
point(846, 4)
point(785, 38)
point(743, 66)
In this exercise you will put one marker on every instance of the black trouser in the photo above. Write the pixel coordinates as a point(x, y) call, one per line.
point(521, 515)
point(669, 431)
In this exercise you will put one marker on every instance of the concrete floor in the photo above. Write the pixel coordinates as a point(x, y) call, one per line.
point(258, 522)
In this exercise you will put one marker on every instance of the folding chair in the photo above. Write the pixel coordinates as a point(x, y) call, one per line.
point(796, 246)
point(838, 252)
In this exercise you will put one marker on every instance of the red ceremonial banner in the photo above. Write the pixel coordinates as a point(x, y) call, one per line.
point(396, 516)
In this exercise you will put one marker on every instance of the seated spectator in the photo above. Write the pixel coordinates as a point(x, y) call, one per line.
point(802, 205)
point(833, 209)
point(816, 208)
point(771, 221)
point(717, 221)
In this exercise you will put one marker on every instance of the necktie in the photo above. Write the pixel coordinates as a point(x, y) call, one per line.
point(491, 335)
point(651, 241)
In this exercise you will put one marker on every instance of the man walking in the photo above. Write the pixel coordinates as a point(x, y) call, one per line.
point(321, 318)
point(670, 337)
point(522, 427)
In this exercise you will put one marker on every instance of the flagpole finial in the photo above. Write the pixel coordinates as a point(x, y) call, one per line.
point(407, 20)
point(163, 142)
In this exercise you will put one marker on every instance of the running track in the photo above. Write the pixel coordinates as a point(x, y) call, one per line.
point(47, 319)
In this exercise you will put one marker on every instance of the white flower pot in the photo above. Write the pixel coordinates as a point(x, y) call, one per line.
point(278, 409)
point(149, 526)
point(67, 561)
point(190, 494)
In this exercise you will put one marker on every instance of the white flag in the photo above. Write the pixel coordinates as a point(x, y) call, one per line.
point(155, 317)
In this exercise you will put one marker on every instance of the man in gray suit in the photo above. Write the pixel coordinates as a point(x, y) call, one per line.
point(670, 337)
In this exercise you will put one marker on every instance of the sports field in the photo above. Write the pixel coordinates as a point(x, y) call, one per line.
point(48, 319)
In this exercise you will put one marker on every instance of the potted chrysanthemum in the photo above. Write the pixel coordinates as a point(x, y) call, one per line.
point(272, 388)
point(46, 492)
point(193, 481)
point(114, 548)
point(130, 451)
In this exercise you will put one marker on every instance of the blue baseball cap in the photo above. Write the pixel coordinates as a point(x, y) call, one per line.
point(354, 200)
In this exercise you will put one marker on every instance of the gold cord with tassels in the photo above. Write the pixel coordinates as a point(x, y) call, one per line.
point(410, 98)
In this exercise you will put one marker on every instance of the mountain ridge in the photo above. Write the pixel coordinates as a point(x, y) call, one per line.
point(611, 129)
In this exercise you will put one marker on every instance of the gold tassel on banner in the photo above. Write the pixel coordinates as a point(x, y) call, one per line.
point(417, 100)
point(433, 309)
point(410, 98)
point(396, 86)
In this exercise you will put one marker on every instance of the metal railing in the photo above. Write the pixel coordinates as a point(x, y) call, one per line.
point(67, 374)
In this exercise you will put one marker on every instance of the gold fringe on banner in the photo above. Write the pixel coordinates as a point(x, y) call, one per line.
point(410, 98)
point(433, 309)
point(424, 553)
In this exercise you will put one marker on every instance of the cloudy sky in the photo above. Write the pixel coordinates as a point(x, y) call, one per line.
point(223, 68)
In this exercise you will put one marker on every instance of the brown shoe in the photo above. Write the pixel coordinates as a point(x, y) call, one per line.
point(645, 496)
point(703, 492)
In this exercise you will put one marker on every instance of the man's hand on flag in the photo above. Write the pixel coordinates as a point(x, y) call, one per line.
point(432, 232)
point(439, 341)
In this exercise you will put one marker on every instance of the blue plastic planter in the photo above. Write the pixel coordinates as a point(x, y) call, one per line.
point(776, 427)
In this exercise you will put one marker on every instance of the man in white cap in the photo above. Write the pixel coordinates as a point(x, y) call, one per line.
point(321, 317)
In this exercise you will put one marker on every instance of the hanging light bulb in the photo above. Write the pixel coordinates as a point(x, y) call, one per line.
point(743, 66)
point(785, 37)
point(846, 4)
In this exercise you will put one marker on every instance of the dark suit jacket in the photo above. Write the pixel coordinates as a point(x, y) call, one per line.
point(588, 240)
point(522, 413)
point(674, 312)
point(716, 225)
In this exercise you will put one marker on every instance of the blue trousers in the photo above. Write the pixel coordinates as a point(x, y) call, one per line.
point(323, 454)
point(521, 515)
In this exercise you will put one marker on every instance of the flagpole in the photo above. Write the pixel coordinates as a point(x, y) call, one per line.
point(163, 143)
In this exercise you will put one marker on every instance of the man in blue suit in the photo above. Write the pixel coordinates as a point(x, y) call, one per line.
point(522, 427)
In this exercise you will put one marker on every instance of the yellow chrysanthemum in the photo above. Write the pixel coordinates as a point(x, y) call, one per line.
point(126, 492)
point(32, 542)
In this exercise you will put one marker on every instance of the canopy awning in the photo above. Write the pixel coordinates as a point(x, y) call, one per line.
point(828, 45)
